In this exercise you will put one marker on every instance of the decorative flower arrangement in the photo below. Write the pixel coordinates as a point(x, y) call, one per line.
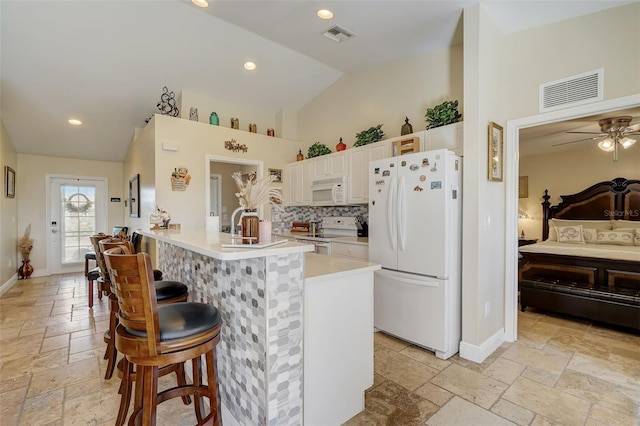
point(318, 149)
point(443, 114)
point(253, 192)
point(25, 243)
point(371, 135)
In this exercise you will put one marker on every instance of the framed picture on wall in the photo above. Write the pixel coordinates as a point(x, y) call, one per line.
point(277, 175)
point(9, 182)
point(523, 187)
point(496, 138)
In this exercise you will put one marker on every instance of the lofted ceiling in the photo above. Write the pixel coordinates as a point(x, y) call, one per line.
point(106, 62)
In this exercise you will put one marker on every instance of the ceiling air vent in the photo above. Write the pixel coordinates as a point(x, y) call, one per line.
point(577, 90)
point(338, 34)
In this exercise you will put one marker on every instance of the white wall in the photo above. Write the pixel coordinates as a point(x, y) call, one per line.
point(282, 121)
point(383, 94)
point(195, 142)
point(565, 173)
point(8, 214)
point(140, 159)
point(32, 189)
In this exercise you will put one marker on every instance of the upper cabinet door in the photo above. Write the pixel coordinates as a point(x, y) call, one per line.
point(358, 179)
point(338, 164)
point(321, 167)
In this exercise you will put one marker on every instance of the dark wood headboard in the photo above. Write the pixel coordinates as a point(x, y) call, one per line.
point(609, 200)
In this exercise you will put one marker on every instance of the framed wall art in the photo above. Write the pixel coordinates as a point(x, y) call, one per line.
point(134, 196)
point(496, 139)
point(9, 182)
point(523, 187)
point(277, 174)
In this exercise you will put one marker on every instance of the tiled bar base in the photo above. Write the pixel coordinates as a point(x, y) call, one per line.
point(259, 357)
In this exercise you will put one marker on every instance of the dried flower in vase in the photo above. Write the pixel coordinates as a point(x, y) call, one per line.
point(255, 192)
point(25, 243)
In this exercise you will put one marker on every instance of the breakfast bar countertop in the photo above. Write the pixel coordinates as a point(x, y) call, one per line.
point(210, 243)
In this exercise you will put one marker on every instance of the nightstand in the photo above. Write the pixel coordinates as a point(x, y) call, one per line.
point(525, 242)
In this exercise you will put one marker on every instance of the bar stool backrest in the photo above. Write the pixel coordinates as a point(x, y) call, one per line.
point(102, 245)
point(133, 284)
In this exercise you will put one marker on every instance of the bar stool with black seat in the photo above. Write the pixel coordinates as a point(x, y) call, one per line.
point(167, 292)
point(152, 336)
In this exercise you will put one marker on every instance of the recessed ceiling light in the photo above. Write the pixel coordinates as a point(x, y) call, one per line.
point(75, 122)
point(200, 3)
point(249, 66)
point(324, 14)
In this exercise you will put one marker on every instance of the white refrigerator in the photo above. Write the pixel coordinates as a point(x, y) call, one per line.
point(415, 203)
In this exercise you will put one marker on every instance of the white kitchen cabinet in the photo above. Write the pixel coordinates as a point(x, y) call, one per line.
point(354, 251)
point(358, 163)
point(330, 165)
point(449, 137)
point(299, 186)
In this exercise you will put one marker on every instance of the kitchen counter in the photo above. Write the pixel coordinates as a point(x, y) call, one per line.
point(210, 244)
point(345, 239)
point(280, 307)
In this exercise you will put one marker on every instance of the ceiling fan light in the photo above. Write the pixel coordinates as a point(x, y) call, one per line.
point(627, 142)
point(606, 145)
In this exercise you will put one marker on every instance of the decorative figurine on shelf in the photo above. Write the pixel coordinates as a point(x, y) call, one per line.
point(160, 219)
point(235, 123)
point(300, 156)
point(253, 128)
point(167, 104)
point(341, 146)
point(193, 114)
point(271, 132)
point(213, 119)
point(406, 127)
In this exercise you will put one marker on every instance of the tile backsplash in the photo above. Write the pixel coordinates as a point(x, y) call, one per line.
point(281, 220)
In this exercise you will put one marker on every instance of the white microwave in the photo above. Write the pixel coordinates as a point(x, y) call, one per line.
point(329, 192)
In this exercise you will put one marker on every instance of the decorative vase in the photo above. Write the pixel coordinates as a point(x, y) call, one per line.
point(250, 226)
point(25, 270)
point(407, 128)
point(341, 146)
point(271, 132)
point(235, 123)
point(253, 128)
point(300, 156)
point(213, 119)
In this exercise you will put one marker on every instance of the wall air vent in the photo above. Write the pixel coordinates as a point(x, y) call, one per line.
point(573, 91)
point(338, 34)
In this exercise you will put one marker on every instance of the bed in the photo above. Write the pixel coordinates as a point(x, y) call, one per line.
point(588, 263)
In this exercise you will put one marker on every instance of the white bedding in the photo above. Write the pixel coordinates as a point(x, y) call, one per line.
point(602, 251)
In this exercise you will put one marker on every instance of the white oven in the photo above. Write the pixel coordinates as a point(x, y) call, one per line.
point(329, 192)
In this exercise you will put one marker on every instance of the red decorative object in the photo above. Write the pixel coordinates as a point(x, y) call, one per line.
point(25, 270)
point(341, 146)
point(271, 132)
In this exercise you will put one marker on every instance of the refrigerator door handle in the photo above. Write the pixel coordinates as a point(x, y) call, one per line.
point(402, 213)
point(391, 217)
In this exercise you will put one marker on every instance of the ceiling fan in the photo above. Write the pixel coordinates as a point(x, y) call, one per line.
point(615, 131)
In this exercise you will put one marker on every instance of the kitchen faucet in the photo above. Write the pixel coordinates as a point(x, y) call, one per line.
point(233, 221)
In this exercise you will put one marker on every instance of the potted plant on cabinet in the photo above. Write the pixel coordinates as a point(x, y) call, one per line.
point(443, 114)
point(373, 134)
point(318, 149)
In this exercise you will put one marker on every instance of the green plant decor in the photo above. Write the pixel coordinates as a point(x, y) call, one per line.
point(443, 114)
point(365, 137)
point(317, 149)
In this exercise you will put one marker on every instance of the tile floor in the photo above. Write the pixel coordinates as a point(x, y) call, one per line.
point(560, 372)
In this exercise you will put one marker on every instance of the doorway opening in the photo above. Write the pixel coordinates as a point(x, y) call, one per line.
point(221, 188)
point(512, 158)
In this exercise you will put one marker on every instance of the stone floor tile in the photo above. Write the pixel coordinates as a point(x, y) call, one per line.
point(63, 376)
point(56, 342)
point(36, 363)
point(547, 401)
point(402, 369)
point(625, 372)
point(391, 342)
point(460, 412)
point(425, 357)
point(512, 412)
point(434, 393)
point(45, 408)
point(504, 370)
point(473, 386)
point(11, 401)
point(554, 363)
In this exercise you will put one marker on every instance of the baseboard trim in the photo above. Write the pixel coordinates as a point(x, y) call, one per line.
point(480, 353)
point(8, 284)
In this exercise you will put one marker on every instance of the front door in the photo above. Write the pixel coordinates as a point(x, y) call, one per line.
point(77, 210)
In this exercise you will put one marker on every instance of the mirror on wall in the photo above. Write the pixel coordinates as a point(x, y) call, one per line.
point(134, 196)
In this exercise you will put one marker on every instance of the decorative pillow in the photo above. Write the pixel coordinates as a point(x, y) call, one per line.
point(634, 231)
point(570, 234)
point(615, 224)
point(591, 224)
point(590, 235)
point(619, 238)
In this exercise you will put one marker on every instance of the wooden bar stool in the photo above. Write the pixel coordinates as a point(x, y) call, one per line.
point(152, 336)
